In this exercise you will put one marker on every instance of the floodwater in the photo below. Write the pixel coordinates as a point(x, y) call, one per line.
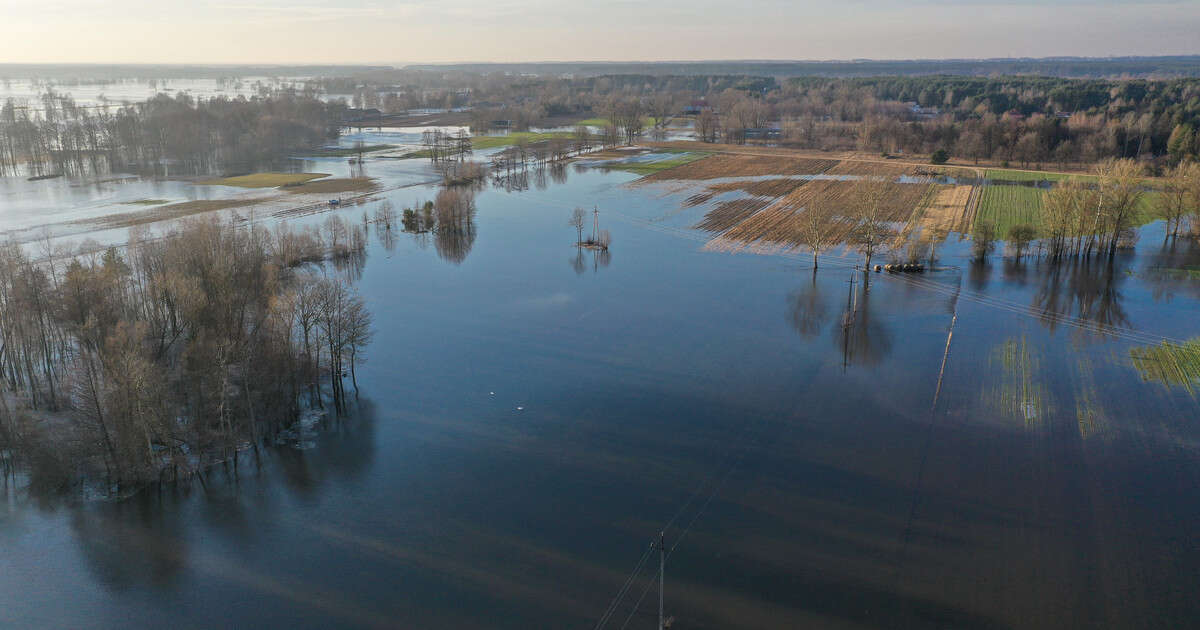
point(967, 448)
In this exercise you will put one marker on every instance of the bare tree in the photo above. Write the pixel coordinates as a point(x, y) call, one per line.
point(817, 223)
point(577, 220)
point(1120, 185)
point(871, 229)
point(1177, 200)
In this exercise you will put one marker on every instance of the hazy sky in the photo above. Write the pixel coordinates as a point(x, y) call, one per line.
point(399, 31)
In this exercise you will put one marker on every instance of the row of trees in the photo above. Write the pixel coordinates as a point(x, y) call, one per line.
point(1014, 118)
point(1080, 217)
point(165, 134)
point(176, 351)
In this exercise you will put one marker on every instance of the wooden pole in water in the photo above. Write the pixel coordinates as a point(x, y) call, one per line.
point(662, 565)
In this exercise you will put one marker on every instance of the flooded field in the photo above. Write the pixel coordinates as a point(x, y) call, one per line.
point(989, 445)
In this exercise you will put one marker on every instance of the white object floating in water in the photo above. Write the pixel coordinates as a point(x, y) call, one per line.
point(491, 393)
point(520, 408)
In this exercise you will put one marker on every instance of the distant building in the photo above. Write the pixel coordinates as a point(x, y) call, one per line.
point(1013, 114)
point(762, 133)
point(923, 112)
point(695, 107)
point(1063, 115)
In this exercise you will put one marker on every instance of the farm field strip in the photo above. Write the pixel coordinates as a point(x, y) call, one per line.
point(730, 213)
point(946, 208)
point(1007, 206)
point(779, 225)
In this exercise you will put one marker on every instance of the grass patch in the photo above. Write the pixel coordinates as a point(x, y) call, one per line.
point(1147, 209)
point(495, 142)
point(337, 185)
point(144, 202)
point(1019, 390)
point(1033, 176)
point(265, 180)
point(1169, 363)
point(648, 168)
point(350, 151)
point(647, 121)
point(168, 212)
point(1006, 206)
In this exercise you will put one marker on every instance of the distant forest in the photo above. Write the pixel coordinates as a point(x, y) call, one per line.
point(162, 135)
point(1029, 112)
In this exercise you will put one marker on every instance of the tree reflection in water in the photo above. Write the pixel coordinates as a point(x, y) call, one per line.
point(600, 258)
point(862, 340)
point(808, 310)
point(1085, 288)
point(1174, 269)
point(859, 338)
point(455, 232)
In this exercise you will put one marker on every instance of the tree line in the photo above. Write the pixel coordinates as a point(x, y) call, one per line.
point(162, 135)
point(156, 360)
point(1080, 218)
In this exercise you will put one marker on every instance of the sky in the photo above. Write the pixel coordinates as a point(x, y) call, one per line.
point(419, 31)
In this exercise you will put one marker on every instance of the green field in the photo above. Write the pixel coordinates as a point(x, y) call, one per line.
point(1148, 211)
point(1032, 176)
point(493, 142)
point(646, 168)
point(1006, 206)
point(265, 180)
point(600, 122)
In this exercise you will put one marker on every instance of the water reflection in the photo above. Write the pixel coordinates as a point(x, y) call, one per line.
point(808, 309)
point(858, 337)
point(862, 340)
point(599, 259)
point(142, 541)
point(455, 233)
point(132, 543)
point(1082, 287)
point(1174, 269)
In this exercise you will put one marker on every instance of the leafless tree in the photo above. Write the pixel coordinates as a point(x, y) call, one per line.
point(577, 220)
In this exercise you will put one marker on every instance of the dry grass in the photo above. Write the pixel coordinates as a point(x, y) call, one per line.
point(730, 213)
point(779, 226)
point(772, 188)
point(171, 211)
point(946, 210)
point(339, 185)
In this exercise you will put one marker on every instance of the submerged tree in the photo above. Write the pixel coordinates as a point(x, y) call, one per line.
point(817, 222)
point(170, 354)
point(871, 230)
point(577, 220)
point(1019, 238)
point(983, 240)
point(1181, 195)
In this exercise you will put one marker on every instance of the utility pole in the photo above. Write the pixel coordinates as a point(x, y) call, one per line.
point(662, 565)
point(595, 222)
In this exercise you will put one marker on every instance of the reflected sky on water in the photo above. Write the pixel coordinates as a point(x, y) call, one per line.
point(535, 413)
